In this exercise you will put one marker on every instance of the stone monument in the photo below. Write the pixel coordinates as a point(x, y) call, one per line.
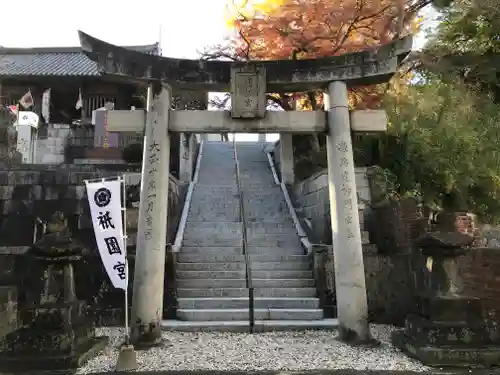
point(448, 326)
point(59, 333)
point(8, 145)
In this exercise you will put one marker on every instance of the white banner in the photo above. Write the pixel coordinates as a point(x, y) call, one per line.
point(106, 210)
point(46, 105)
point(27, 118)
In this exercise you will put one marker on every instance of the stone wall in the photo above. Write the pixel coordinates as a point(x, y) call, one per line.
point(389, 279)
point(480, 270)
point(313, 197)
point(28, 192)
point(51, 144)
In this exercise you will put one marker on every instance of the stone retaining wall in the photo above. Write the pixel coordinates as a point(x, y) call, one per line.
point(313, 196)
point(28, 192)
point(389, 279)
point(480, 269)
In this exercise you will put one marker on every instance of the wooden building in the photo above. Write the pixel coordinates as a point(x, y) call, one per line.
point(69, 73)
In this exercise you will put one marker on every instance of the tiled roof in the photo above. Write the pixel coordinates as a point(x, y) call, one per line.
point(70, 61)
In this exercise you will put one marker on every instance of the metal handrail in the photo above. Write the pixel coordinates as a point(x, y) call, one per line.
point(248, 269)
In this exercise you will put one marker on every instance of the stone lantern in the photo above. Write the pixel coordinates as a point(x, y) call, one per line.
point(448, 327)
point(58, 333)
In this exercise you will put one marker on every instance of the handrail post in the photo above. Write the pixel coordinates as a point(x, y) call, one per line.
point(248, 270)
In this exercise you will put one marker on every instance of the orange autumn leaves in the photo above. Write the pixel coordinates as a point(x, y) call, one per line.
point(298, 29)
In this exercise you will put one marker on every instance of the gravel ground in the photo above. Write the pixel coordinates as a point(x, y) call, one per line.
point(309, 350)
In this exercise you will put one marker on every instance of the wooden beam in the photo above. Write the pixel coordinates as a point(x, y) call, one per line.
point(273, 122)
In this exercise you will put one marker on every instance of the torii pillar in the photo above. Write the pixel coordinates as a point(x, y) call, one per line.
point(149, 272)
point(350, 285)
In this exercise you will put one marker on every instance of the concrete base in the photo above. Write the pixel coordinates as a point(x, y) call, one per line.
point(446, 355)
point(15, 363)
point(243, 326)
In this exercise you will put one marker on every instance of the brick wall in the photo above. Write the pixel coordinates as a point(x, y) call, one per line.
point(28, 192)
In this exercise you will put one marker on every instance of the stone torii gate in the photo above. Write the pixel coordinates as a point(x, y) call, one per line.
point(248, 83)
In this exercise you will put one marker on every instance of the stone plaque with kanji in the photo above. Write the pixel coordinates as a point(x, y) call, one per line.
point(248, 92)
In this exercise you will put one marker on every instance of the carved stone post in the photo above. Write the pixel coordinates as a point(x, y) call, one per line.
point(286, 158)
point(25, 142)
point(188, 100)
point(186, 157)
point(147, 303)
point(352, 309)
point(447, 327)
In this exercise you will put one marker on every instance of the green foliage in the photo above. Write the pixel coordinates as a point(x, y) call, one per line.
point(443, 141)
point(467, 44)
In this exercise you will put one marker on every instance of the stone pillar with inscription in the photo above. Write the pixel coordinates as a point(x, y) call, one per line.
point(286, 158)
point(186, 156)
point(147, 302)
point(25, 142)
point(188, 100)
point(352, 309)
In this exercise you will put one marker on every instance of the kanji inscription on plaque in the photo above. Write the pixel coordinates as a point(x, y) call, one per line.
point(248, 92)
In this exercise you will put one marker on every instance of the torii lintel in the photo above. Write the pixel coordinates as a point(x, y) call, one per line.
point(372, 66)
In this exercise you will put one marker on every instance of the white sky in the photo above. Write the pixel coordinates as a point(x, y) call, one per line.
point(187, 26)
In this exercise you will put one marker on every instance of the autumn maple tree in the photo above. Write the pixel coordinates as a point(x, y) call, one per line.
point(298, 29)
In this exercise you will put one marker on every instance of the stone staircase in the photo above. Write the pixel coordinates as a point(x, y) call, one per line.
point(211, 269)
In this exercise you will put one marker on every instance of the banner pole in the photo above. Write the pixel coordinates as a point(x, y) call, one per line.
point(124, 209)
point(127, 359)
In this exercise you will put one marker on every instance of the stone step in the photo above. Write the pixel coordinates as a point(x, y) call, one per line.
point(242, 314)
point(252, 251)
point(274, 227)
point(237, 274)
point(232, 266)
point(278, 211)
point(243, 325)
point(274, 240)
point(243, 292)
point(243, 303)
point(228, 210)
point(201, 255)
point(210, 251)
point(221, 234)
point(286, 249)
point(222, 266)
point(241, 283)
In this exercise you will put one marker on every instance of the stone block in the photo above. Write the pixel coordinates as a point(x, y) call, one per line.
point(448, 356)
point(4, 177)
point(29, 341)
point(6, 192)
point(7, 263)
point(449, 309)
point(56, 317)
point(424, 332)
point(8, 310)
